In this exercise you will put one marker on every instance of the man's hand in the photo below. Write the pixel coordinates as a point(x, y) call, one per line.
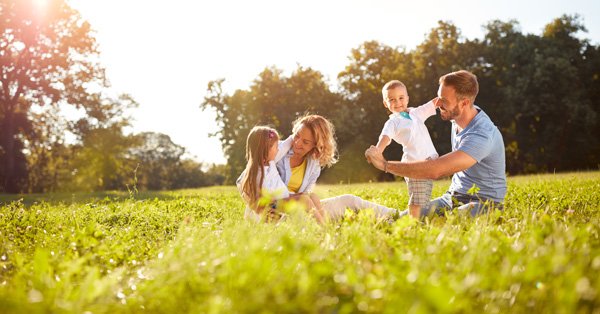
point(375, 157)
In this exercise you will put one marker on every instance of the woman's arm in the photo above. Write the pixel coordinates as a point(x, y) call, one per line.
point(284, 147)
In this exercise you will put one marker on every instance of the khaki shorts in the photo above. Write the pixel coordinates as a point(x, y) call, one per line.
point(419, 191)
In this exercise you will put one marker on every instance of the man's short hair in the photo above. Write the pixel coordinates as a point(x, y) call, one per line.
point(464, 83)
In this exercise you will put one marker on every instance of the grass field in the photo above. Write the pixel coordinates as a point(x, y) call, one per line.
point(191, 251)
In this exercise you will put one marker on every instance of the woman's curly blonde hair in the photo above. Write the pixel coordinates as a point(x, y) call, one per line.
point(325, 150)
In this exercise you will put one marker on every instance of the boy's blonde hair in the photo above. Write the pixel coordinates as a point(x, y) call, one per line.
point(259, 142)
point(391, 85)
point(325, 150)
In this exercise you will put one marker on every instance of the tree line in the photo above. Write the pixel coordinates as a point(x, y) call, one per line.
point(540, 90)
point(49, 64)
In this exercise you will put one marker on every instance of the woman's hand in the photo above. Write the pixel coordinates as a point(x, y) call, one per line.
point(319, 216)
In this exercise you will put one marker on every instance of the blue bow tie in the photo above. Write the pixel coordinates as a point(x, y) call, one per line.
point(404, 114)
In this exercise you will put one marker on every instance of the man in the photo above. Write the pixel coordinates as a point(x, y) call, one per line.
point(477, 161)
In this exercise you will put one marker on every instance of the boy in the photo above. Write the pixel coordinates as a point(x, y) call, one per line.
point(408, 129)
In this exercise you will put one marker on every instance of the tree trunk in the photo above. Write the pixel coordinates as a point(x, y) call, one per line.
point(9, 183)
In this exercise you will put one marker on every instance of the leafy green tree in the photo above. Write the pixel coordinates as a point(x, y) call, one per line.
point(542, 92)
point(158, 158)
point(505, 52)
point(48, 59)
point(272, 99)
point(190, 174)
point(590, 75)
point(534, 86)
point(160, 165)
point(444, 50)
point(371, 65)
point(102, 160)
point(48, 159)
point(573, 117)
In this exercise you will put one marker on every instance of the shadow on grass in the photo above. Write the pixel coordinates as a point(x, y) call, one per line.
point(75, 198)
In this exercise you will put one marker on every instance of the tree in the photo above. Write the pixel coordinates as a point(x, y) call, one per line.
point(371, 65)
point(590, 75)
point(158, 159)
point(570, 124)
point(272, 100)
point(102, 161)
point(534, 87)
point(47, 58)
point(48, 155)
point(541, 91)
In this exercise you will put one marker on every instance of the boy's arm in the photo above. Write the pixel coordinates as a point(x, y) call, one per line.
point(425, 111)
point(383, 142)
point(385, 138)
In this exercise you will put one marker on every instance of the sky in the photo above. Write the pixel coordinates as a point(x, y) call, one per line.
point(164, 52)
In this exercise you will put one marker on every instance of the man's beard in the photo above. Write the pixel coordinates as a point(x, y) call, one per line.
point(449, 115)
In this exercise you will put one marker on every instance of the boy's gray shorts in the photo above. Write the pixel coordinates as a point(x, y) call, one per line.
point(419, 191)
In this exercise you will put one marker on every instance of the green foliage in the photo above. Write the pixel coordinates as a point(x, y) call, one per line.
point(547, 84)
point(48, 57)
point(272, 100)
point(191, 251)
point(161, 165)
point(541, 91)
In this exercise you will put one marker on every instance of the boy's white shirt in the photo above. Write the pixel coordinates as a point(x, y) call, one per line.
point(412, 133)
point(272, 182)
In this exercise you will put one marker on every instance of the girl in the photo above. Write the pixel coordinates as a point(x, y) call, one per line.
point(260, 185)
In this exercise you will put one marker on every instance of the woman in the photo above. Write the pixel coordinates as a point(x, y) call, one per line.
point(260, 186)
point(313, 148)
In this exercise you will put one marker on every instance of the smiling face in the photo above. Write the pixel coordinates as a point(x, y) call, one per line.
point(304, 141)
point(450, 106)
point(396, 99)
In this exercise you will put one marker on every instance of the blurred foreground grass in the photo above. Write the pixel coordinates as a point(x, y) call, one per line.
point(191, 251)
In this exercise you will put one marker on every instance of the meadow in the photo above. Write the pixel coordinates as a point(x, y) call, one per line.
point(191, 251)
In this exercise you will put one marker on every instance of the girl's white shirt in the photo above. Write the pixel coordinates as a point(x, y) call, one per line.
point(272, 182)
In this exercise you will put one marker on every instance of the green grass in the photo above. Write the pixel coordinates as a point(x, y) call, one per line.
point(191, 251)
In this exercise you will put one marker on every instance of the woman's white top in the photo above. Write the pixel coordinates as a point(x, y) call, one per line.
point(311, 174)
point(272, 182)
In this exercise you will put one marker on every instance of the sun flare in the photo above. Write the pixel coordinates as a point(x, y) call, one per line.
point(40, 4)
